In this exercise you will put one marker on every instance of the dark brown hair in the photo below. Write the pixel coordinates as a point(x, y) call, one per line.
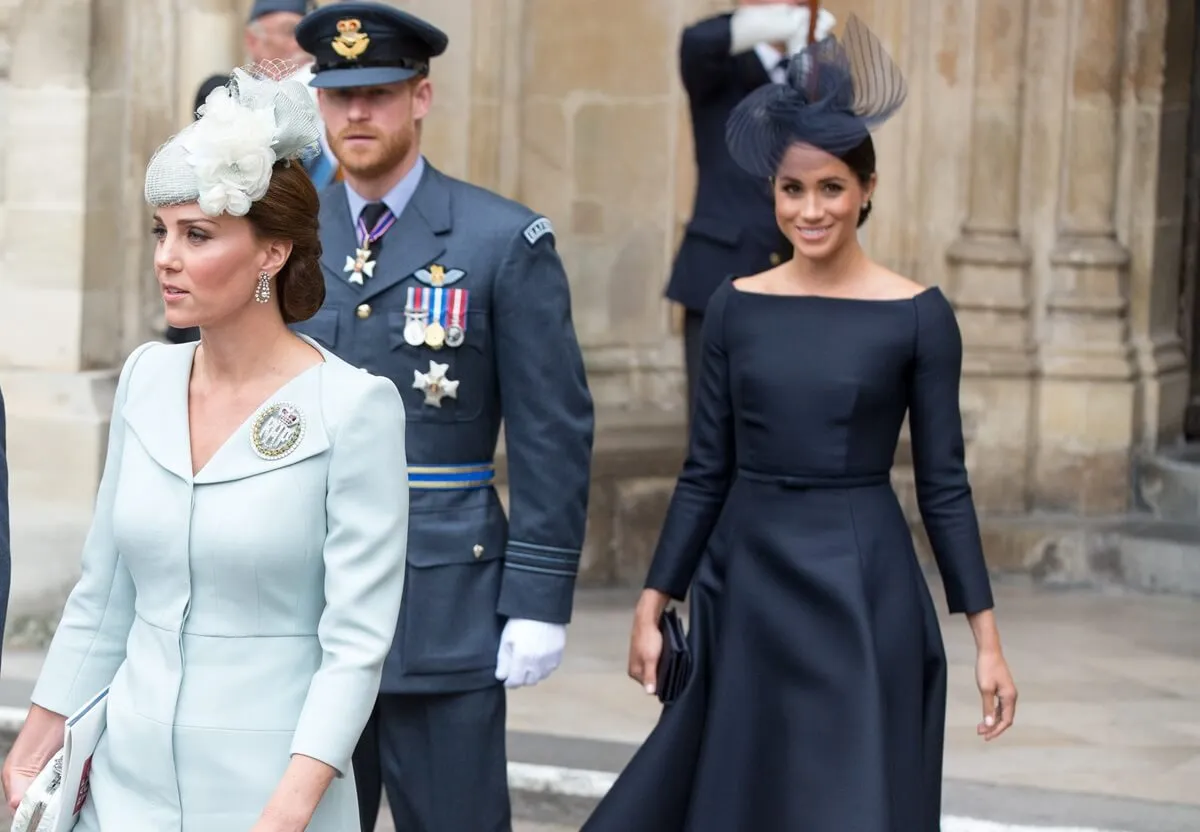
point(861, 160)
point(289, 211)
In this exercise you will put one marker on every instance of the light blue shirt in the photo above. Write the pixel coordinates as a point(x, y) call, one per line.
point(396, 199)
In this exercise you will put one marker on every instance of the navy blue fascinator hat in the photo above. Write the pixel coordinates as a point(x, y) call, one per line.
point(836, 93)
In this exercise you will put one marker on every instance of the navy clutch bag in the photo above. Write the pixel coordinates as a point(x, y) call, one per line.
point(675, 663)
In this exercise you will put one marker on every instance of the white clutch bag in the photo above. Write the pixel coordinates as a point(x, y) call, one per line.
point(55, 797)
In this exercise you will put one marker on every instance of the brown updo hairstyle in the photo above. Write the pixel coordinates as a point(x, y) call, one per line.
point(861, 161)
point(288, 211)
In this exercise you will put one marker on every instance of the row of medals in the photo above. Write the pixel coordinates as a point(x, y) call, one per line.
point(432, 335)
point(416, 330)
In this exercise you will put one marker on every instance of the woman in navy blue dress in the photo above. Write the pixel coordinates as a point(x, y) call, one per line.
point(818, 695)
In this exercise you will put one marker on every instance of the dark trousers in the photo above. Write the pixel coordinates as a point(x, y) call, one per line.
point(693, 325)
point(442, 759)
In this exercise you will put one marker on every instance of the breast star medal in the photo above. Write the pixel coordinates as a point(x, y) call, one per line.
point(277, 430)
point(434, 384)
point(360, 264)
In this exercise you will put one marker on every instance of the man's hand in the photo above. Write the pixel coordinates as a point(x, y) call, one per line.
point(529, 651)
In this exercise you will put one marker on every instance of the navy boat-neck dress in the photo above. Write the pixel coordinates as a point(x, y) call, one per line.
point(818, 698)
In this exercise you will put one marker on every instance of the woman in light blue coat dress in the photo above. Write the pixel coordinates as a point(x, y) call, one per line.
point(242, 578)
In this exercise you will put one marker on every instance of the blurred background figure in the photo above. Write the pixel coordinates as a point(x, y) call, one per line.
point(732, 230)
point(271, 35)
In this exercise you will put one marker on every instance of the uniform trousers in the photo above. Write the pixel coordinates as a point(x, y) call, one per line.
point(442, 760)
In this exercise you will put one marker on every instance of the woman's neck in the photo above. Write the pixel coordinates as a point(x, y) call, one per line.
point(845, 266)
point(238, 351)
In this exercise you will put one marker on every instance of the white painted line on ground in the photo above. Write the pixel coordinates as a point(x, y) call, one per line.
point(575, 782)
point(570, 782)
point(584, 783)
point(957, 824)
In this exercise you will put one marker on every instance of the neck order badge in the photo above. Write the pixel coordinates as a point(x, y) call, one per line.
point(361, 264)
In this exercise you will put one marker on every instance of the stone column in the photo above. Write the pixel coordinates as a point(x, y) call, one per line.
point(75, 258)
point(1159, 99)
point(597, 157)
point(989, 261)
point(1086, 402)
point(210, 42)
point(57, 404)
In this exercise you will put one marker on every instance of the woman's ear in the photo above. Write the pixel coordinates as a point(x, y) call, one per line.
point(277, 253)
point(869, 189)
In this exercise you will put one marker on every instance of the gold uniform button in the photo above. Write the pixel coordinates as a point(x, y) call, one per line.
point(775, 258)
point(477, 551)
point(363, 310)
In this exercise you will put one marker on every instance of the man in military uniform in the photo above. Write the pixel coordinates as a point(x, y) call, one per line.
point(732, 230)
point(458, 296)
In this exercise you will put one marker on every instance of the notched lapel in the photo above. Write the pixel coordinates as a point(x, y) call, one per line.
point(337, 232)
point(237, 459)
point(156, 408)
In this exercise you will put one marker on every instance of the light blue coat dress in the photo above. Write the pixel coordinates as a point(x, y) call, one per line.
point(241, 615)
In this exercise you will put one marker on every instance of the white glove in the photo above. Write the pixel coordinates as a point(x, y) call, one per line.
point(529, 651)
point(825, 23)
point(771, 23)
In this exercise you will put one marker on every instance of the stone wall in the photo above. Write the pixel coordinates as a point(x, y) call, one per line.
point(1034, 174)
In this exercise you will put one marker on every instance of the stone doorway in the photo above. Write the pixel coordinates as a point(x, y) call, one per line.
point(1190, 277)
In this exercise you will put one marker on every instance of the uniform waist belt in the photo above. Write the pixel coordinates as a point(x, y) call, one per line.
point(443, 477)
point(818, 480)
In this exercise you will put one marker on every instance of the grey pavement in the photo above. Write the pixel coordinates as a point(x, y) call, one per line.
point(1107, 734)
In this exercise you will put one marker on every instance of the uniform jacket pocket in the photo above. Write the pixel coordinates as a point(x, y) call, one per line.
point(452, 586)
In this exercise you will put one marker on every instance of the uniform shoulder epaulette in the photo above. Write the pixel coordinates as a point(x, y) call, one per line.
point(537, 229)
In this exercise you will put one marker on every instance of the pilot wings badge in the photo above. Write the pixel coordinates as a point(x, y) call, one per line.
point(438, 275)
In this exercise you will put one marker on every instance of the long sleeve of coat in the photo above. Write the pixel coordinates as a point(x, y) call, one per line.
point(708, 471)
point(943, 490)
point(365, 551)
point(89, 644)
point(548, 424)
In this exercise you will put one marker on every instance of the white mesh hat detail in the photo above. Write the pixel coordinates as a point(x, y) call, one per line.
point(223, 160)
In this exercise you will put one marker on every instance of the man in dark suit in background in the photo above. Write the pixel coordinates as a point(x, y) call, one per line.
point(5, 548)
point(732, 230)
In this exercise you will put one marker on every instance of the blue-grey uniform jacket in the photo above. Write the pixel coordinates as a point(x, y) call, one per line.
point(469, 567)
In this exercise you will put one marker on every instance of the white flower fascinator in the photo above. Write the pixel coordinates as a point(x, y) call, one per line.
point(224, 159)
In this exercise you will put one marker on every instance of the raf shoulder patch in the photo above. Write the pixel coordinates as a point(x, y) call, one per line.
point(537, 229)
point(438, 275)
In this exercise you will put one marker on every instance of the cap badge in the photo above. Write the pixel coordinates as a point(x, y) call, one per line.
point(350, 43)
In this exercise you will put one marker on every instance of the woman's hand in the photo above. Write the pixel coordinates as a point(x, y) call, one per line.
point(16, 781)
point(998, 691)
point(39, 740)
point(646, 643)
